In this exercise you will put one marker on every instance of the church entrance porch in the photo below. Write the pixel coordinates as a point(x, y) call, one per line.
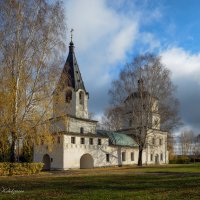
point(47, 162)
point(86, 161)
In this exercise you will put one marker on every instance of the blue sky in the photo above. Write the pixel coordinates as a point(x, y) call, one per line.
point(108, 33)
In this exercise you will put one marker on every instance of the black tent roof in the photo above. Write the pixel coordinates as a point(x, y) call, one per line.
point(71, 74)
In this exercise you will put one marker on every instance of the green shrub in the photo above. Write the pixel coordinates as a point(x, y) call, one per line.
point(20, 168)
point(4, 168)
point(180, 160)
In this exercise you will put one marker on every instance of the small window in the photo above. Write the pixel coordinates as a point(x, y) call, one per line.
point(161, 157)
point(91, 141)
point(99, 141)
point(81, 130)
point(81, 97)
point(73, 140)
point(110, 141)
point(132, 156)
point(107, 157)
point(42, 142)
point(160, 141)
point(51, 159)
point(151, 157)
point(82, 140)
point(123, 156)
point(58, 139)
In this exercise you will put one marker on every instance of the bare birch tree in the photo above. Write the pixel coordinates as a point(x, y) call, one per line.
point(145, 92)
point(112, 119)
point(186, 139)
point(31, 42)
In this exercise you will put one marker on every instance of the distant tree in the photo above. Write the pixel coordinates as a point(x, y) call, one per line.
point(31, 42)
point(196, 147)
point(146, 94)
point(186, 140)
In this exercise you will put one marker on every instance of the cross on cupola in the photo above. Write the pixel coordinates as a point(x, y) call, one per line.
point(72, 30)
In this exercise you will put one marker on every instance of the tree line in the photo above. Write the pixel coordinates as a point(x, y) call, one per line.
point(32, 37)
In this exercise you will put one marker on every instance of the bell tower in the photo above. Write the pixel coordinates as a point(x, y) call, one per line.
point(70, 96)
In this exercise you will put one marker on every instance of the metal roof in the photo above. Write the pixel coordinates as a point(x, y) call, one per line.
point(119, 139)
point(71, 74)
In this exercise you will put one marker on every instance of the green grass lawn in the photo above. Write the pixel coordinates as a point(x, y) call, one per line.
point(163, 182)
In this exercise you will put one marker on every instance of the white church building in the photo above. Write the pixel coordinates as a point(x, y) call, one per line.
point(78, 143)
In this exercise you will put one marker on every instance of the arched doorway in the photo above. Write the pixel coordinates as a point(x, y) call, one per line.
point(47, 162)
point(86, 161)
point(157, 159)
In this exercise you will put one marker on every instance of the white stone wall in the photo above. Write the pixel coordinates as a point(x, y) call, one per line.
point(74, 125)
point(61, 107)
point(157, 148)
point(74, 152)
point(56, 154)
point(81, 110)
point(67, 155)
point(74, 108)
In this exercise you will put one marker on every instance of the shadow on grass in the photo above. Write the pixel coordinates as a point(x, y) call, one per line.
point(151, 185)
point(109, 182)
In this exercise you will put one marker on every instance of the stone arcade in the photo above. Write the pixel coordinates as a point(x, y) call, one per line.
point(79, 144)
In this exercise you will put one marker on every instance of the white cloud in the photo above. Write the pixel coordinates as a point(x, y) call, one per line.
point(100, 28)
point(104, 33)
point(102, 38)
point(123, 41)
point(182, 63)
point(185, 68)
point(91, 21)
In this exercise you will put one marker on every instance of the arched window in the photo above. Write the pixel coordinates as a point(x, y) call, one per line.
point(151, 157)
point(132, 156)
point(160, 141)
point(68, 96)
point(81, 97)
point(161, 156)
point(107, 157)
point(123, 156)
